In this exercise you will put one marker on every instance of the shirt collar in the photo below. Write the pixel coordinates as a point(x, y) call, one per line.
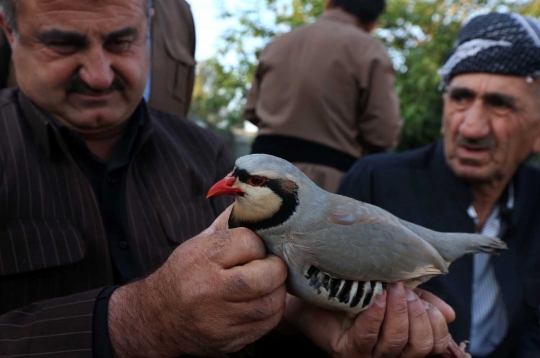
point(507, 199)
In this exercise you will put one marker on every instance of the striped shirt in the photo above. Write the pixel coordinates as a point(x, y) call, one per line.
point(489, 320)
point(54, 252)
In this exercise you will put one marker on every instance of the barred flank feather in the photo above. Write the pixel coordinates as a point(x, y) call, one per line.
point(347, 292)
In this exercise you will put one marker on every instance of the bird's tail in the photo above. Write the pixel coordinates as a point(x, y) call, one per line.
point(452, 246)
point(475, 243)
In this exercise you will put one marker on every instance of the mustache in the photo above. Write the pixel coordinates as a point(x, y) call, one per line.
point(481, 143)
point(77, 85)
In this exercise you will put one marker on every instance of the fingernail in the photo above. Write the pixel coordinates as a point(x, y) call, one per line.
point(427, 305)
point(411, 296)
point(381, 300)
point(398, 288)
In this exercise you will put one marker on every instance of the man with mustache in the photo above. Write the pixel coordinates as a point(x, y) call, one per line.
point(172, 43)
point(476, 179)
point(103, 207)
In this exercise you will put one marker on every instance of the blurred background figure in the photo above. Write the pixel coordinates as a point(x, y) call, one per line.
point(173, 57)
point(171, 80)
point(7, 73)
point(323, 94)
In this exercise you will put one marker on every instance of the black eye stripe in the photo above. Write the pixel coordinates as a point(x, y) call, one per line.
point(257, 180)
point(286, 190)
point(244, 177)
point(241, 174)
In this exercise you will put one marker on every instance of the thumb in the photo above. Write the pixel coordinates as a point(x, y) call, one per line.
point(220, 223)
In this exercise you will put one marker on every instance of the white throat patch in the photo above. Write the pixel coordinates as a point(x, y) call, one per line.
point(257, 204)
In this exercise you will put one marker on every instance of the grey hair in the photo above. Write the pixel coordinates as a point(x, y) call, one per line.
point(9, 9)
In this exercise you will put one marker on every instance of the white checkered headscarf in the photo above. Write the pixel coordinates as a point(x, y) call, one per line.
point(507, 44)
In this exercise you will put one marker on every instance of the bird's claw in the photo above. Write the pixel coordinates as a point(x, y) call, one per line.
point(456, 351)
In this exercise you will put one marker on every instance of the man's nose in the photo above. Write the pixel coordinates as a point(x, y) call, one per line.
point(96, 69)
point(476, 122)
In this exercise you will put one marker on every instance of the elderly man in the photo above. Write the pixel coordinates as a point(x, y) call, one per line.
point(97, 192)
point(172, 70)
point(476, 180)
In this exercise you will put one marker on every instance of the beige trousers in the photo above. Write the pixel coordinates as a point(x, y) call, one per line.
point(326, 177)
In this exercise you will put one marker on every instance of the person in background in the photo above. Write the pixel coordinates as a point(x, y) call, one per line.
point(323, 94)
point(172, 75)
point(7, 72)
point(172, 42)
point(108, 244)
point(476, 180)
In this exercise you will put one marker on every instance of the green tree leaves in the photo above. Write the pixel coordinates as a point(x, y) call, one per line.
point(418, 33)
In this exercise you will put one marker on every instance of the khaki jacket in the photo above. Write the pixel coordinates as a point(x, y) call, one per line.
point(328, 82)
point(173, 56)
point(173, 62)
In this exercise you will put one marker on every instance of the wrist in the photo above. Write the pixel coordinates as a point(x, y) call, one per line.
point(136, 323)
point(101, 341)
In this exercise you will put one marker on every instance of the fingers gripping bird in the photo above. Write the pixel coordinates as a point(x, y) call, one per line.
point(341, 253)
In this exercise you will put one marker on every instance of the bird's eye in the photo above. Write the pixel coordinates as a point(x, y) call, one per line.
point(256, 180)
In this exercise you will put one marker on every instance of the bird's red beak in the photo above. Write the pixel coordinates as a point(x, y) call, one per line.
point(224, 187)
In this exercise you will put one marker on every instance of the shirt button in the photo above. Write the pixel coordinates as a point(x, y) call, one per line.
point(111, 180)
point(123, 245)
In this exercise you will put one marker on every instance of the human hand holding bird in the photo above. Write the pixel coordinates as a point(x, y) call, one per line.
point(399, 323)
point(341, 253)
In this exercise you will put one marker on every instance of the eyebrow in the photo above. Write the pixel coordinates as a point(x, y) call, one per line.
point(491, 98)
point(462, 91)
point(125, 32)
point(499, 98)
point(56, 35)
point(78, 39)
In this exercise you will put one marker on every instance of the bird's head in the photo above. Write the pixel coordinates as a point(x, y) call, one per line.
point(266, 189)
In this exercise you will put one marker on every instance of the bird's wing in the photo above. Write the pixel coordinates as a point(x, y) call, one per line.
point(362, 242)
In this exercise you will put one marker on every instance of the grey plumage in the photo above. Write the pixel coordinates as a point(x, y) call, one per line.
point(340, 252)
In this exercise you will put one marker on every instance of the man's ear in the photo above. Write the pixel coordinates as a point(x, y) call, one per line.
point(445, 98)
point(536, 144)
point(329, 4)
point(370, 26)
point(10, 34)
